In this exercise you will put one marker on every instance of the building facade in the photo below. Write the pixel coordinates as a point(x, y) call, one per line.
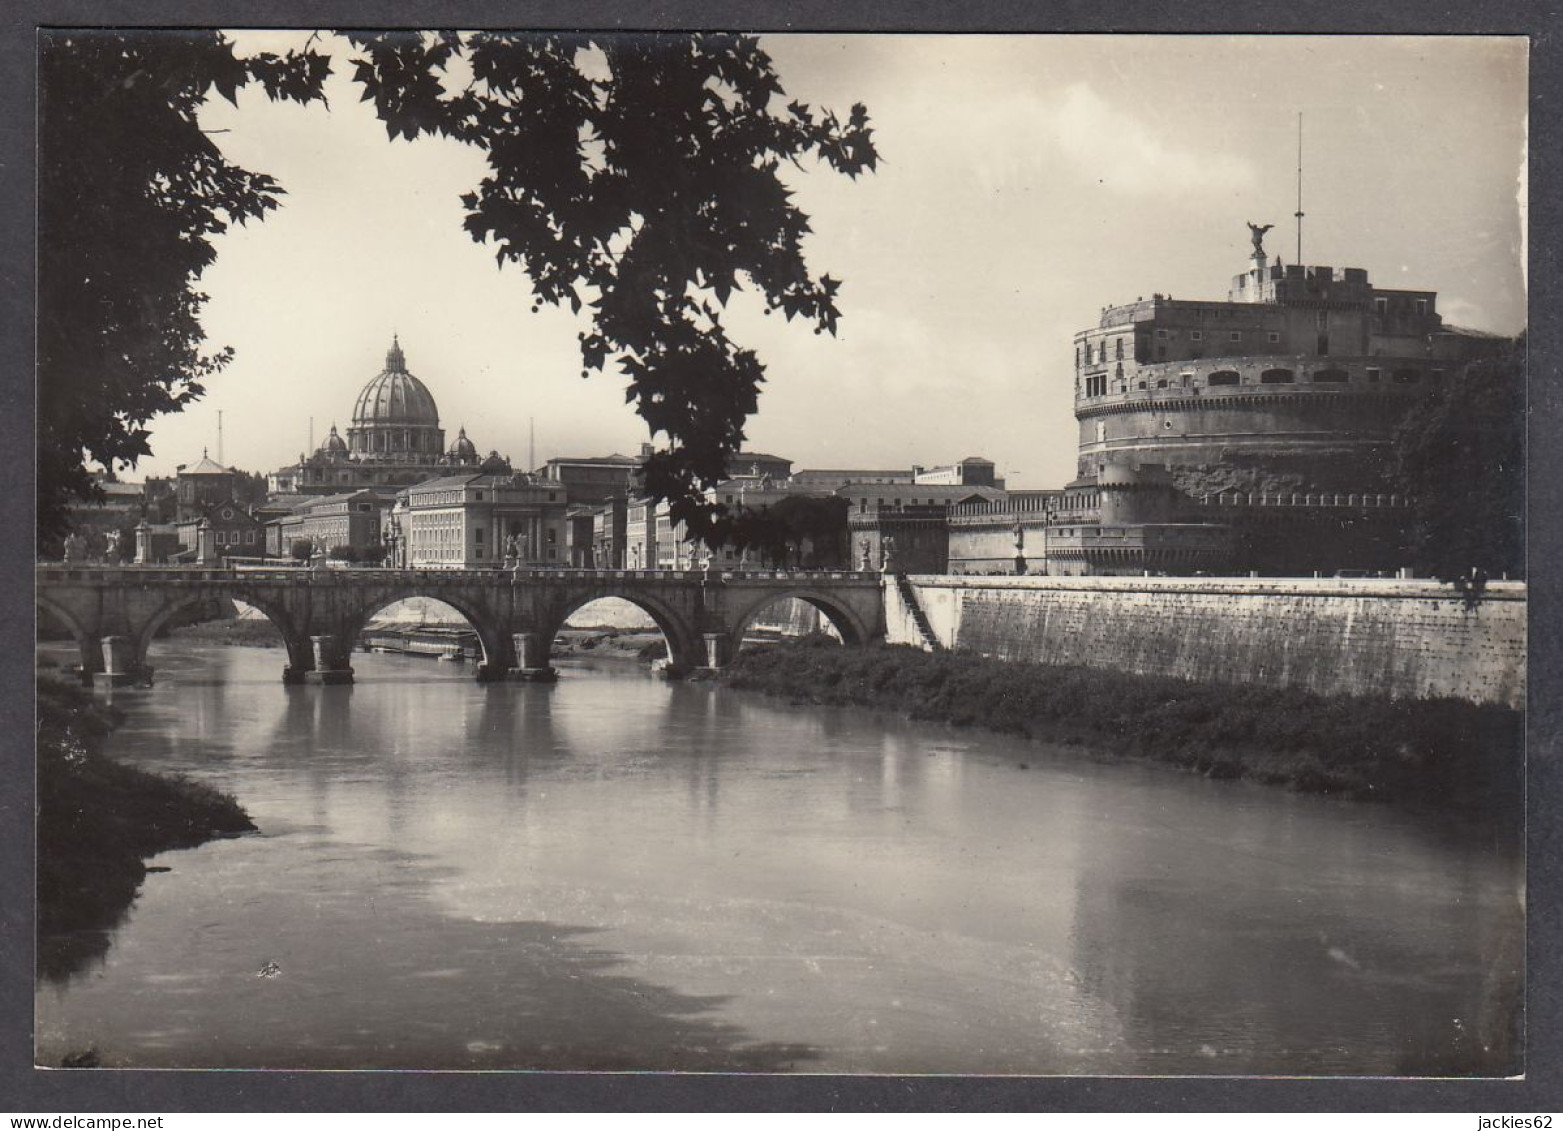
point(351, 521)
point(199, 486)
point(478, 520)
point(593, 479)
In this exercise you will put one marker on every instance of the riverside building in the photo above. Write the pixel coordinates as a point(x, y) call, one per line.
point(1250, 434)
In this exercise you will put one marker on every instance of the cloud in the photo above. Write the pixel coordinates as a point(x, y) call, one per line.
point(1126, 156)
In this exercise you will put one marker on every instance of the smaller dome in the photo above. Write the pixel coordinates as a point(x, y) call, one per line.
point(463, 448)
point(334, 445)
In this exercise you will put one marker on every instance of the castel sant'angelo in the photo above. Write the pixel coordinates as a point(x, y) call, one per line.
point(1269, 414)
point(1250, 434)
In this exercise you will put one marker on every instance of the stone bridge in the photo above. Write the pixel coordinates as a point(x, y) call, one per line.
point(114, 612)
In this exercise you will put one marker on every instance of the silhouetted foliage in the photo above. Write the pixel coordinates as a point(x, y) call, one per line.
point(249, 488)
point(131, 192)
point(637, 176)
point(805, 531)
point(1461, 457)
point(301, 549)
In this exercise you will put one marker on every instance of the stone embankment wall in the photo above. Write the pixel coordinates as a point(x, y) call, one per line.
point(1406, 639)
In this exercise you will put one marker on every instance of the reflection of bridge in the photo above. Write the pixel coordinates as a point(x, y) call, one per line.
point(114, 612)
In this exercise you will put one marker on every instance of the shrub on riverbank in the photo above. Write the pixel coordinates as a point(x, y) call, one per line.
point(1441, 753)
point(97, 820)
point(247, 632)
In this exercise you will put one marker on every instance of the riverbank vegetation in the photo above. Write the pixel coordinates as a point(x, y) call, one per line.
point(244, 632)
point(98, 819)
point(1439, 754)
point(612, 643)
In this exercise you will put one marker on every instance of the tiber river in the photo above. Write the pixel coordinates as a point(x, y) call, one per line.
point(617, 872)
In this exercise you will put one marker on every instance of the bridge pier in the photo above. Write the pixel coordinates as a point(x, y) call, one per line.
point(331, 661)
point(90, 650)
point(532, 656)
point(120, 667)
point(718, 653)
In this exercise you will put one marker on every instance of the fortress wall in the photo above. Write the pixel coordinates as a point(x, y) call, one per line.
point(1407, 639)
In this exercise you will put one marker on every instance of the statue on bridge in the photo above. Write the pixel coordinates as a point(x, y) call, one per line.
point(866, 560)
point(513, 551)
point(886, 553)
point(1020, 549)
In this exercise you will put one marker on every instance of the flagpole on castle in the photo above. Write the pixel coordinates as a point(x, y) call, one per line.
point(1299, 212)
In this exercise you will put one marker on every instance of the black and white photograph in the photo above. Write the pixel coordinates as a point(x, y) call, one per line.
point(869, 554)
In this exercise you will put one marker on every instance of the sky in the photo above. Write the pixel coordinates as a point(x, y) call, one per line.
point(1025, 183)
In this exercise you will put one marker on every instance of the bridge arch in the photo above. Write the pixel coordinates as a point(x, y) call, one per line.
point(300, 658)
point(683, 641)
point(493, 639)
point(87, 645)
point(842, 617)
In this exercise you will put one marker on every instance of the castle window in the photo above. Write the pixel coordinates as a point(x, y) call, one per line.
point(1276, 377)
point(1162, 384)
point(1162, 334)
point(1421, 306)
point(1224, 377)
point(1407, 376)
point(1120, 349)
point(1381, 307)
point(1330, 376)
point(1196, 335)
point(1373, 373)
point(1235, 336)
point(1274, 337)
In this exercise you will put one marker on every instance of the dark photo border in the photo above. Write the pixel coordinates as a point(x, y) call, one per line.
point(26, 1090)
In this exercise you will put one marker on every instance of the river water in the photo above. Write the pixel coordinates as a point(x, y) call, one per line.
point(617, 872)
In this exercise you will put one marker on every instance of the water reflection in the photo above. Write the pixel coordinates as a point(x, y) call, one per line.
point(618, 872)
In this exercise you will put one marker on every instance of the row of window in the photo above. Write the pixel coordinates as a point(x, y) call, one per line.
point(1097, 355)
point(224, 540)
point(1097, 386)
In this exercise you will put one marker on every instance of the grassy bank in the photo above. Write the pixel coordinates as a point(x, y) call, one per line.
point(248, 632)
point(97, 820)
point(1441, 754)
point(611, 643)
